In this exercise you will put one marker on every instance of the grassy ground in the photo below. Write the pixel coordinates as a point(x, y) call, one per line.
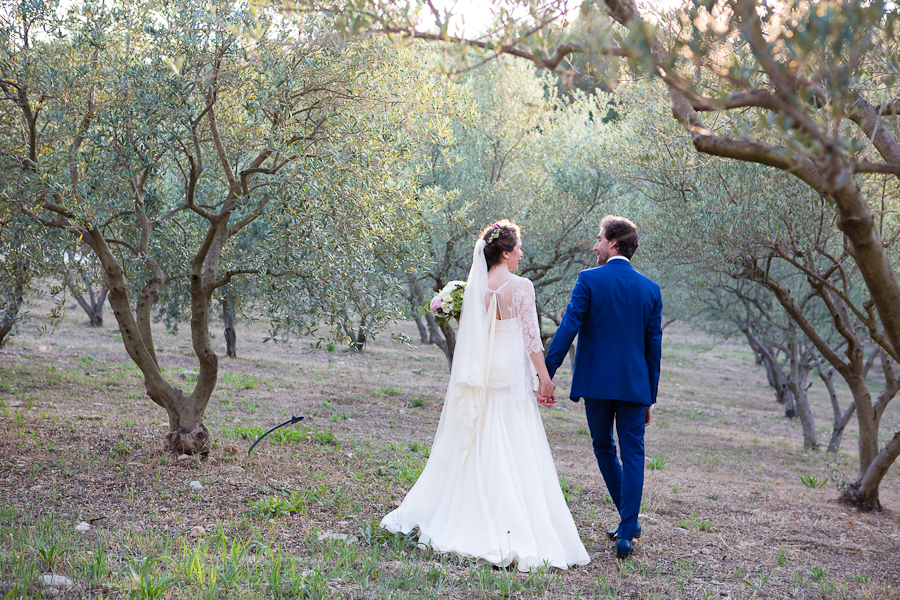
point(725, 513)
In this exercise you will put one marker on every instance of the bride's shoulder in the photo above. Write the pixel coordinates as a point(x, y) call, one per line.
point(522, 282)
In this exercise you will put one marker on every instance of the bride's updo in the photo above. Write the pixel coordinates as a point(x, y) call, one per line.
point(500, 237)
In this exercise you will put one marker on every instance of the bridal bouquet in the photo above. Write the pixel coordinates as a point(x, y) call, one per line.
point(448, 302)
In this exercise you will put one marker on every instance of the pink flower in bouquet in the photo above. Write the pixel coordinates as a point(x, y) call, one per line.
point(435, 303)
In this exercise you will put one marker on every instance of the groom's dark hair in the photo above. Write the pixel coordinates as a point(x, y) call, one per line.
point(623, 232)
point(500, 237)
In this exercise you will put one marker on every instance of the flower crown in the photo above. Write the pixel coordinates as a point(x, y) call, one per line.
point(496, 233)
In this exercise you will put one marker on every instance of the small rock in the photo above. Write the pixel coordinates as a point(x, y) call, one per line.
point(331, 535)
point(343, 523)
point(697, 581)
point(43, 348)
point(397, 502)
point(57, 582)
point(196, 486)
point(189, 375)
point(16, 404)
point(83, 526)
point(197, 532)
point(35, 488)
point(681, 530)
point(414, 357)
point(417, 371)
point(183, 458)
point(402, 412)
point(704, 550)
point(231, 450)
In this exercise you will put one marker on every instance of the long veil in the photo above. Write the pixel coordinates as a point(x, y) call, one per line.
point(468, 374)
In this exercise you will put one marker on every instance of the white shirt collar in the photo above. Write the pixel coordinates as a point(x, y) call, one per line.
point(620, 257)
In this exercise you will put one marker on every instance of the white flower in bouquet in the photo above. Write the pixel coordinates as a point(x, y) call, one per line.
point(448, 302)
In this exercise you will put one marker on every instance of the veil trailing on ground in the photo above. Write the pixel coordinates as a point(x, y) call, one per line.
point(468, 374)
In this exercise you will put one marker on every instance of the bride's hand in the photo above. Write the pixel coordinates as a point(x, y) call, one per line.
point(546, 396)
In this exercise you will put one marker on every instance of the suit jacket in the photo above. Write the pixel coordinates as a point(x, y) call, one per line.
point(616, 313)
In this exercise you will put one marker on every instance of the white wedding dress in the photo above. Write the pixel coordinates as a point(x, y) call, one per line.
point(490, 491)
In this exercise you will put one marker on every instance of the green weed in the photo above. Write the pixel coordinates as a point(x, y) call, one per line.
point(657, 463)
point(696, 523)
point(326, 438)
point(269, 508)
point(811, 481)
point(146, 585)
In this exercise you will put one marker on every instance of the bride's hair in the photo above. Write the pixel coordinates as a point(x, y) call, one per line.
point(499, 237)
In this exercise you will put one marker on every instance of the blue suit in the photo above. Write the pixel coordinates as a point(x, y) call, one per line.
point(616, 313)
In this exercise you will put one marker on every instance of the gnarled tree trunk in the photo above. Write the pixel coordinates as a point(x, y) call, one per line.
point(800, 367)
point(841, 419)
point(416, 301)
point(863, 493)
point(781, 383)
point(13, 303)
point(227, 302)
point(78, 283)
point(187, 432)
point(357, 335)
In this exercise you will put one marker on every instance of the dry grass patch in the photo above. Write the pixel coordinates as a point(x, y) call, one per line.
point(725, 513)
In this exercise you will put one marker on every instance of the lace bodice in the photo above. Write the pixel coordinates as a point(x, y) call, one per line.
point(515, 300)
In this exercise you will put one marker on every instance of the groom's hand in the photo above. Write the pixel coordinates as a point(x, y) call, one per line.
point(649, 414)
point(546, 397)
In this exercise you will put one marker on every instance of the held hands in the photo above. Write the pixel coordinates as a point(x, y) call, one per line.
point(546, 395)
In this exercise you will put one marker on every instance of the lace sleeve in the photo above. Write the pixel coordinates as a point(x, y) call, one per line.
point(531, 329)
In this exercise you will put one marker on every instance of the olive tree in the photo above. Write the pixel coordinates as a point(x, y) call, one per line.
point(756, 227)
point(157, 139)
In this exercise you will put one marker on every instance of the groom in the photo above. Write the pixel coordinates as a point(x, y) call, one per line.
point(616, 313)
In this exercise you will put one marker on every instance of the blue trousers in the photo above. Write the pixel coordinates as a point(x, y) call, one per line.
point(624, 481)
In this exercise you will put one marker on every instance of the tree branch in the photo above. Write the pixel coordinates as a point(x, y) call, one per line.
point(226, 279)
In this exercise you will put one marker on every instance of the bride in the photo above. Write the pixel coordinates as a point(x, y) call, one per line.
point(489, 491)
